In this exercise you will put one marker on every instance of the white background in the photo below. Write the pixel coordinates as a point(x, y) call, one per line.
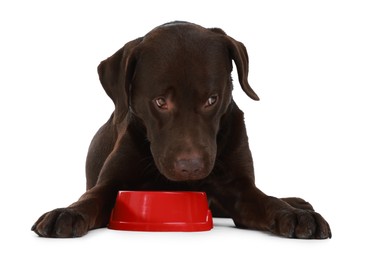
point(308, 64)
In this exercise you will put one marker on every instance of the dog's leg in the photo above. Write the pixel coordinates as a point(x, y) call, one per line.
point(251, 208)
point(232, 185)
point(93, 208)
point(101, 146)
point(89, 212)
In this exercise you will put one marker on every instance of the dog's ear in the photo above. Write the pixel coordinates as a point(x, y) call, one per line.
point(238, 53)
point(115, 74)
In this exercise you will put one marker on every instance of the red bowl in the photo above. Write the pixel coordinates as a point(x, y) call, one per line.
point(161, 211)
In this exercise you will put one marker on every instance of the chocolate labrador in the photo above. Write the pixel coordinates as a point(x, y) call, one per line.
point(176, 127)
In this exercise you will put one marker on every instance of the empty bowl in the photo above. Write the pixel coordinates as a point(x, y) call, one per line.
point(161, 211)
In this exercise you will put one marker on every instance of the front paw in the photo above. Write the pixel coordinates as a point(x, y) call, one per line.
point(62, 223)
point(298, 223)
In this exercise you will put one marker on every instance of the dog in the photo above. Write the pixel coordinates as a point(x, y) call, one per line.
point(175, 126)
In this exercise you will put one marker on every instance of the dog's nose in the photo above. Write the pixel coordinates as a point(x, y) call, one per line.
point(189, 166)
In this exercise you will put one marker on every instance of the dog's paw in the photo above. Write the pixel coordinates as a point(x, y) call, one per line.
point(298, 223)
point(62, 223)
point(298, 203)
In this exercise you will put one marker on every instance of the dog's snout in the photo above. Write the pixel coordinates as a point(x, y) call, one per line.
point(189, 165)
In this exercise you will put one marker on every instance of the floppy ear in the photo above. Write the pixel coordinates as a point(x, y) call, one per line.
point(238, 53)
point(115, 74)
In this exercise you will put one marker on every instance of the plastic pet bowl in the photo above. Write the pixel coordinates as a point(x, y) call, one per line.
point(161, 211)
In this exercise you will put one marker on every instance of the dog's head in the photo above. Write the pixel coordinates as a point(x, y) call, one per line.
point(177, 80)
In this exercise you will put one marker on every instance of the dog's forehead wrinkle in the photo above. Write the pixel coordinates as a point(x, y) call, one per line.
point(185, 88)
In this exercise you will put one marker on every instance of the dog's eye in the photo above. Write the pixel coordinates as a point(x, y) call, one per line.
point(211, 101)
point(161, 103)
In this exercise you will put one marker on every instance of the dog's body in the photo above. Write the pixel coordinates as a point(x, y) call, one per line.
point(176, 127)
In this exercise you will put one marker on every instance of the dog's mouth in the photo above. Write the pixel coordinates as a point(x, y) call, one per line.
point(173, 176)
